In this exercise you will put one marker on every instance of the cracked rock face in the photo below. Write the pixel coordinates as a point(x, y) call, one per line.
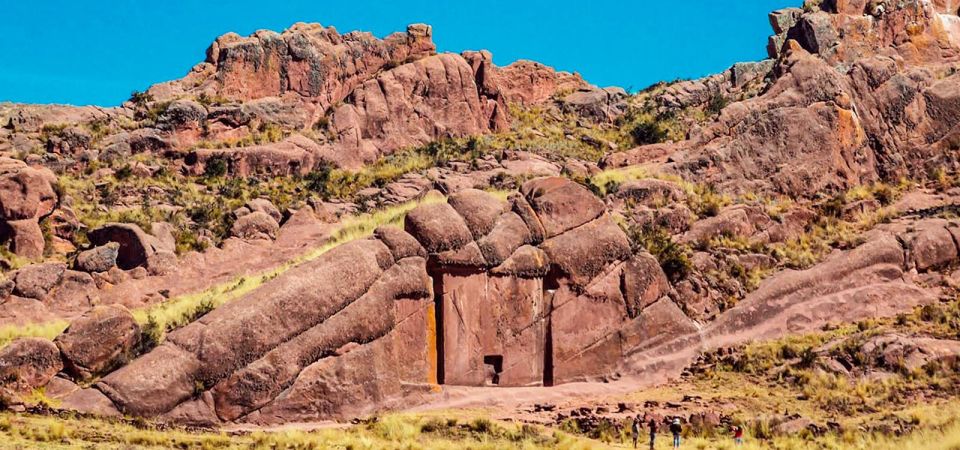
point(468, 294)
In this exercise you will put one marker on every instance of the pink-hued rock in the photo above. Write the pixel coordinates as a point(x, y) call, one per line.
point(137, 248)
point(643, 283)
point(933, 247)
point(37, 280)
point(26, 197)
point(479, 210)
point(437, 227)
point(561, 204)
point(400, 243)
point(101, 340)
point(89, 401)
point(899, 352)
point(368, 318)
point(26, 364)
point(233, 335)
point(584, 252)
point(355, 382)
point(256, 225)
point(493, 330)
point(507, 235)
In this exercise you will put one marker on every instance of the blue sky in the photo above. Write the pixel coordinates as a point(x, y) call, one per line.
point(96, 52)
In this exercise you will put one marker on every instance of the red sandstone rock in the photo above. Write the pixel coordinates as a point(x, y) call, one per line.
point(401, 244)
point(99, 341)
point(506, 236)
point(561, 204)
point(37, 280)
point(26, 364)
point(582, 253)
point(137, 248)
point(643, 283)
point(437, 227)
point(479, 210)
point(256, 225)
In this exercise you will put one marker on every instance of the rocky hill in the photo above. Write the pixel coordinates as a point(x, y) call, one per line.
point(314, 226)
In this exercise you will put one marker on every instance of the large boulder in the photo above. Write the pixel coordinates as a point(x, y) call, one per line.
point(898, 352)
point(244, 330)
point(584, 252)
point(508, 234)
point(438, 227)
point(37, 280)
point(561, 204)
point(400, 243)
point(604, 105)
point(479, 210)
point(27, 364)
point(265, 206)
point(98, 259)
point(101, 340)
point(256, 225)
point(643, 283)
point(26, 196)
point(137, 248)
point(25, 238)
point(933, 247)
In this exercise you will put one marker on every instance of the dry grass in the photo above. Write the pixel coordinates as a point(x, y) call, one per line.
point(402, 431)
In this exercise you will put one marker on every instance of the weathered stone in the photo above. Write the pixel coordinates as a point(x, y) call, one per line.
point(137, 248)
point(643, 283)
point(256, 225)
point(526, 262)
point(265, 206)
point(582, 253)
point(437, 227)
point(479, 210)
point(36, 280)
point(561, 205)
point(99, 259)
point(932, 247)
point(401, 243)
point(25, 237)
point(26, 364)
point(101, 340)
point(507, 235)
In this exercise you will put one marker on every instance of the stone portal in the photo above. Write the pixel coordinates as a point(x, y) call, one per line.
point(493, 329)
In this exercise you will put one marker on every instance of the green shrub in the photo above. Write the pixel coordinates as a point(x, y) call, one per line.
point(717, 103)
point(216, 166)
point(648, 133)
point(673, 257)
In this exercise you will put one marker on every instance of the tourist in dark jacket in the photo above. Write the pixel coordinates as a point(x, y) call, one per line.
point(652, 425)
point(676, 429)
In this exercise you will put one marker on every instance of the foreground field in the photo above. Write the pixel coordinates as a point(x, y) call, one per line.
point(782, 392)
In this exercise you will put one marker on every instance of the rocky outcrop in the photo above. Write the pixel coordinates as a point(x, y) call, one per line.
point(538, 290)
point(850, 85)
point(367, 97)
point(26, 197)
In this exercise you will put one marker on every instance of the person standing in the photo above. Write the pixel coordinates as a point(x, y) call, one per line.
point(738, 435)
point(652, 425)
point(676, 429)
point(635, 430)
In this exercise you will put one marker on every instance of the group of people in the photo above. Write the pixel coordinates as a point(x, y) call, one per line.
point(675, 428)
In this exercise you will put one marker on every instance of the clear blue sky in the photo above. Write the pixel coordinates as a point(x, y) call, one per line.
point(97, 52)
